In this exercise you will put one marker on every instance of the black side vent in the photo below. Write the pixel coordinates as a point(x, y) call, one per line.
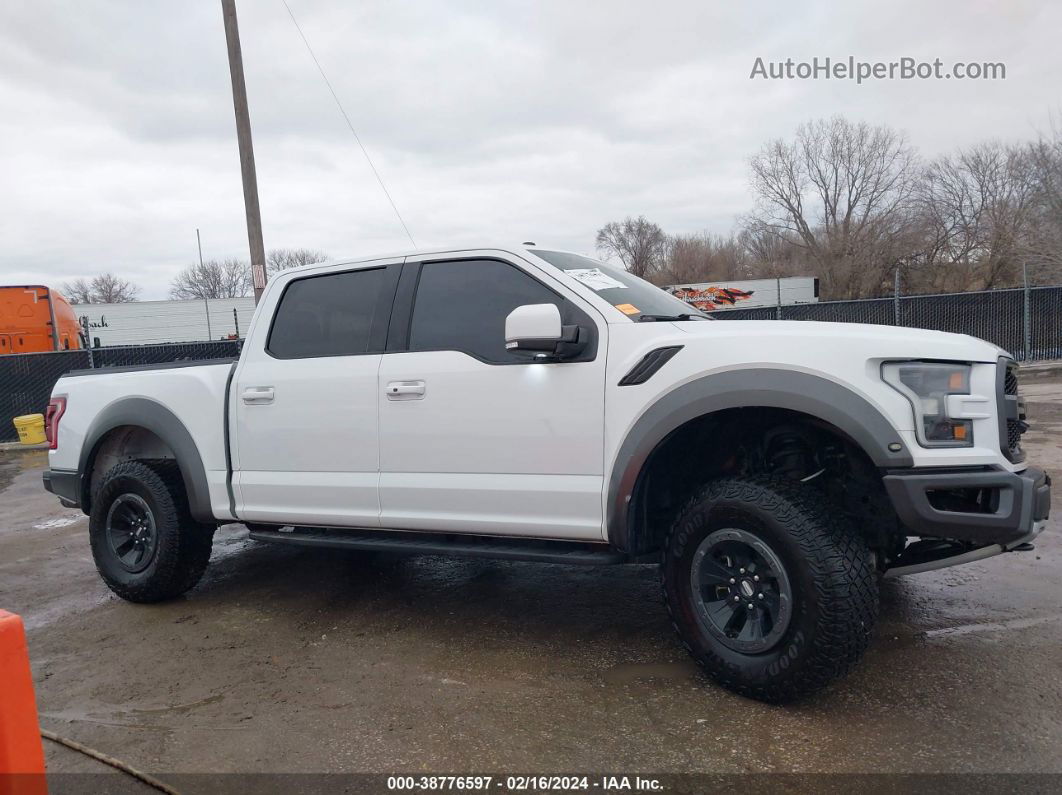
point(648, 365)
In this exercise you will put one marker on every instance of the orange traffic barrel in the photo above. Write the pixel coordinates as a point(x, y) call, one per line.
point(20, 737)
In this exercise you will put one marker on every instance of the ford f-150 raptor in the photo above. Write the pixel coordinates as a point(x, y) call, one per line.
point(530, 404)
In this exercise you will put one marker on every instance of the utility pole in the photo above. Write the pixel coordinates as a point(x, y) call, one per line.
point(243, 136)
point(896, 293)
point(1026, 320)
point(206, 303)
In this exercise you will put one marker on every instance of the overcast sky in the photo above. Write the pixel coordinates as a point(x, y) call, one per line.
point(489, 120)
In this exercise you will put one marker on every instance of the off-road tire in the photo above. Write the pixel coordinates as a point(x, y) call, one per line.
point(829, 569)
point(182, 546)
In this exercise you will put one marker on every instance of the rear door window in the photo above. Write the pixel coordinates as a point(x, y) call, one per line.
point(331, 315)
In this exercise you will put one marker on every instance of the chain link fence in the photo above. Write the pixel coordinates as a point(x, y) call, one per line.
point(1025, 322)
point(27, 379)
point(1045, 323)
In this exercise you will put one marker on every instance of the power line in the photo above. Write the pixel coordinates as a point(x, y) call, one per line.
point(354, 132)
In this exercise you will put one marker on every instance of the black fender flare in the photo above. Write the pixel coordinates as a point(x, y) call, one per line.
point(152, 416)
point(758, 387)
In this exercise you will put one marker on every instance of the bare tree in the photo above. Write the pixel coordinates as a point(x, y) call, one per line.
point(852, 204)
point(636, 242)
point(702, 258)
point(110, 289)
point(977, 205)
point(281, 259)
point(228, 278)
point(1044, 239)
point(772, 255)
point(79, 291)
point(842, 193)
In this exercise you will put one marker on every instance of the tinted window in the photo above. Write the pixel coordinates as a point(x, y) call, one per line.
point(462, 306)
point(327, 315)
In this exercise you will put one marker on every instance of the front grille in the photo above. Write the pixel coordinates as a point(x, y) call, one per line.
point(1010, 380)
point(1013, 436)
point(1011, 411)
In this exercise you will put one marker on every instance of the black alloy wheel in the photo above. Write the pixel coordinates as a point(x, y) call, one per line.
point(131, 532)
point(745, 597)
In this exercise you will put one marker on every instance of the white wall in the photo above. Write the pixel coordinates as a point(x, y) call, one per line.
point(146, 322)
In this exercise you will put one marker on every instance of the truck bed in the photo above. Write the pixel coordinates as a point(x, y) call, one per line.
point(178, 399)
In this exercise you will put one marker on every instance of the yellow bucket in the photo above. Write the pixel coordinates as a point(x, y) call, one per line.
point(30, 428)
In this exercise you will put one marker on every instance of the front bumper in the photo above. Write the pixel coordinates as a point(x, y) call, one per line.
point(1012, 505)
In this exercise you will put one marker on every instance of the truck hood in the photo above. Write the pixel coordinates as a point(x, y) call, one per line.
point(878, 341)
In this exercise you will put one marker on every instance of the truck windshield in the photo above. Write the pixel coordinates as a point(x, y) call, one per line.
point(629, 294)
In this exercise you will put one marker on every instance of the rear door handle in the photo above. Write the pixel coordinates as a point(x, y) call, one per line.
point(258, 394)
point(405, 390)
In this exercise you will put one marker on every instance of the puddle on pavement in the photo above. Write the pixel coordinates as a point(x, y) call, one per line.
point(14, 462)
point(663, 672)
point(178, 708)
point(8, 470)
point(62, 521)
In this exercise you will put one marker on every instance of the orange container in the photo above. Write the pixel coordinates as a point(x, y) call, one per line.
point(34, 319)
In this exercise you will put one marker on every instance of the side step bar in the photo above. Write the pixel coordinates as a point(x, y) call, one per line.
point(448, 544)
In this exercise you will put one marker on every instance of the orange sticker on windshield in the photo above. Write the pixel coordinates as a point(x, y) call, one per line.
point(627, 309)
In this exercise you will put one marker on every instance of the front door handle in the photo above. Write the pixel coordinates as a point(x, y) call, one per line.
point(405, 390)
point(258, 395)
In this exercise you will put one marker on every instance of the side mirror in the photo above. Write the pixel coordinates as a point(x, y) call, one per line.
point(533, 327)
point(537, 327)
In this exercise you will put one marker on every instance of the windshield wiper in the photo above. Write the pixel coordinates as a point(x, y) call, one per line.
point(644, 318)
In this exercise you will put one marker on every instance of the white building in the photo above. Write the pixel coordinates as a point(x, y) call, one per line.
point(146, 322)
point(748, 293)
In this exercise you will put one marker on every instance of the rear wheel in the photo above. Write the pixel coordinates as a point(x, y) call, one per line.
point(146, 545)
point(766, 589)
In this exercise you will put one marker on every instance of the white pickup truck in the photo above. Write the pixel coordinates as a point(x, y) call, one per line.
point(530, 404)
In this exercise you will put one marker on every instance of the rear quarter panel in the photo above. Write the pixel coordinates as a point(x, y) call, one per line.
point(194, 395)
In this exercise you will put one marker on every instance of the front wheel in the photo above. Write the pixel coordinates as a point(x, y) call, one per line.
point(770, 594)
point(145, 544)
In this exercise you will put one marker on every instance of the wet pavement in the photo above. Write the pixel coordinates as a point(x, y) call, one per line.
point(288, 659)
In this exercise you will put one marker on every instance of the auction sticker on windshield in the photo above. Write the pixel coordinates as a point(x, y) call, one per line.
point(595, 279)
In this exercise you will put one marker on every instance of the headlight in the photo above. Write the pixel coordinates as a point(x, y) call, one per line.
point(927, 386)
